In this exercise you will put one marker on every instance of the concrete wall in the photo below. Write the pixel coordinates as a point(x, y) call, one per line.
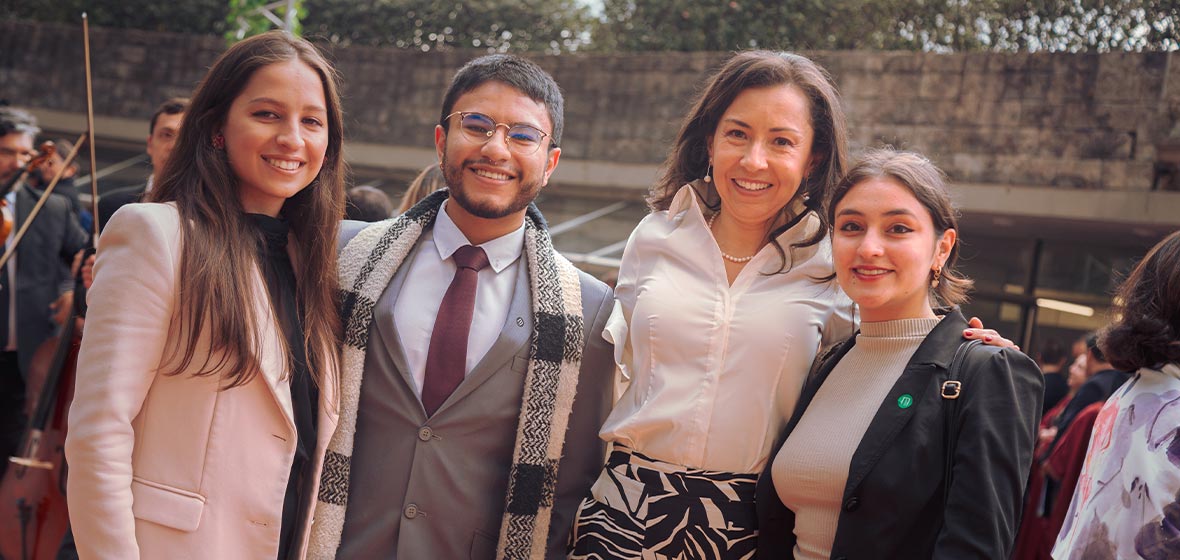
point(1059, 123)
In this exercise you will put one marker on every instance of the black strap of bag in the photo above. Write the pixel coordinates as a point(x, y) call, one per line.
point(951, 389)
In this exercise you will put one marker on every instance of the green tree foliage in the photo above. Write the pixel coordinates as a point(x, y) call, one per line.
point(182, 16)
point(685, 25)
point(940, 25)
point(245, 19)
point(1072, 25)
point(496, 25)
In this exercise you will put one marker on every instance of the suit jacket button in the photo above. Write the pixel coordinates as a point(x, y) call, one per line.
point(425, 433)
point(852, 504)
point(411, 511)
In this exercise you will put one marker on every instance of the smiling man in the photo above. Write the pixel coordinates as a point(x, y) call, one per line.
point(475, 374)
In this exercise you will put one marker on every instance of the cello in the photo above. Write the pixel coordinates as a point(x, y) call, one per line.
point(33, 514)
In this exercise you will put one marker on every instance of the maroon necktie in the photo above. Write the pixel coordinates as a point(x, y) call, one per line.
point(446, 360)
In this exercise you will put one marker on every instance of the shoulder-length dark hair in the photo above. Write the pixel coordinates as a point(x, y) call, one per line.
point(689, 158)
point(1146, 330)
point(219, 242)
point(928, 184)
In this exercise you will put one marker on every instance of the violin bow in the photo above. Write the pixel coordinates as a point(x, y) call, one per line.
point(88, 138)
point(90, 128)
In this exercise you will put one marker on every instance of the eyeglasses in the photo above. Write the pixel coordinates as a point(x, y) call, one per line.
point(523, 139)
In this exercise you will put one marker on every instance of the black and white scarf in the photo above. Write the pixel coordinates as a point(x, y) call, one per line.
point(367, 264)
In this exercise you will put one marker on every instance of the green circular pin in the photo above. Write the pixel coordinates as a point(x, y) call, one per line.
point(905, 401)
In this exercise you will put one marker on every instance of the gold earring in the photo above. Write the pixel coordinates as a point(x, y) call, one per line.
point(935, 279)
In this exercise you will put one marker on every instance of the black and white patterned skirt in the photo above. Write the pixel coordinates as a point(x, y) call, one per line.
point(644, 508)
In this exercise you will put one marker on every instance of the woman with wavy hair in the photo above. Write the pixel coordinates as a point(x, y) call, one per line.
point(1128, 496)
point(206, 387)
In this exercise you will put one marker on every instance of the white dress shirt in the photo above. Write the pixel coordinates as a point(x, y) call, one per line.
point(430, 274)
point(715, 369)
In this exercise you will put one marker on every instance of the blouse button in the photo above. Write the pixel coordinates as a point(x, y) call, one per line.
point(852, 504)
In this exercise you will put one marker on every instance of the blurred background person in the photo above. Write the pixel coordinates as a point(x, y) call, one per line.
point(1037, 534)
point(163, 130)
point(367, 204)
point(35, 281)
point(40, 178)
point(430, 179)
point(1051, 359)
point(1127, 499)
point(1059, 462)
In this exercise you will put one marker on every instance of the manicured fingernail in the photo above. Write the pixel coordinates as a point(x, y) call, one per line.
point(968, 334)
point(987, 339)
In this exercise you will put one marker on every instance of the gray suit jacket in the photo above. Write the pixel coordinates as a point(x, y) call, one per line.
point(42, 268)
point(434, 487)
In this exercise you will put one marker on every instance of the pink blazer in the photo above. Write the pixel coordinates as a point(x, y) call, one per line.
point(168, 466)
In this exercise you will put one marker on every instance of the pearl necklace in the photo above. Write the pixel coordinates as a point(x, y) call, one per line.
point(727, 256)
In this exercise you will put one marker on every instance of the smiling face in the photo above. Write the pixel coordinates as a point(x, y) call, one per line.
point(276, 135)
point(884, 247)
point(491, 184)
point(760, 152)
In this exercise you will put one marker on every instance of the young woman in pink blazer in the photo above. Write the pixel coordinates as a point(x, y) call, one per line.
point(207, 379)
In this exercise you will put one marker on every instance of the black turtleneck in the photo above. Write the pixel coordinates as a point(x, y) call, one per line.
point(280, 282)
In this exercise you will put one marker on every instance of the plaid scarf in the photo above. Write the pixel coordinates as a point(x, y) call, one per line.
point(367, 264)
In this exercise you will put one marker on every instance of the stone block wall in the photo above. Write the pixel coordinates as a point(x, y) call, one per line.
point(1072, 121)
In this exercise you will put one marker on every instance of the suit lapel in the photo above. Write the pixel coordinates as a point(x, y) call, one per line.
point(270, 356)
point(514, 336)
point(893, 415)
point(385, 329)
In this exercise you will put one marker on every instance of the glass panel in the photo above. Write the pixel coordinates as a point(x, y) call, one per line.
point(998, 265)
point(1075, 271)
point(1002, 316)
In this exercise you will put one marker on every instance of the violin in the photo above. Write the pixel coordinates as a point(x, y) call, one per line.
point(7, 218)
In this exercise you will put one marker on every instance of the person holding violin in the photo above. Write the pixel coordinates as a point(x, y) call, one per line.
point(207, 381)
point(36, 280)
point(43, 174)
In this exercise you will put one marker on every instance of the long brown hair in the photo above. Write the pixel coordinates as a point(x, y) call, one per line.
point(219, 242)
point(928, 184)
point(689, 158)
point(1146, 331)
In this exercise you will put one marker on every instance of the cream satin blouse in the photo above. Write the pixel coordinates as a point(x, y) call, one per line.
point(715, 370)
